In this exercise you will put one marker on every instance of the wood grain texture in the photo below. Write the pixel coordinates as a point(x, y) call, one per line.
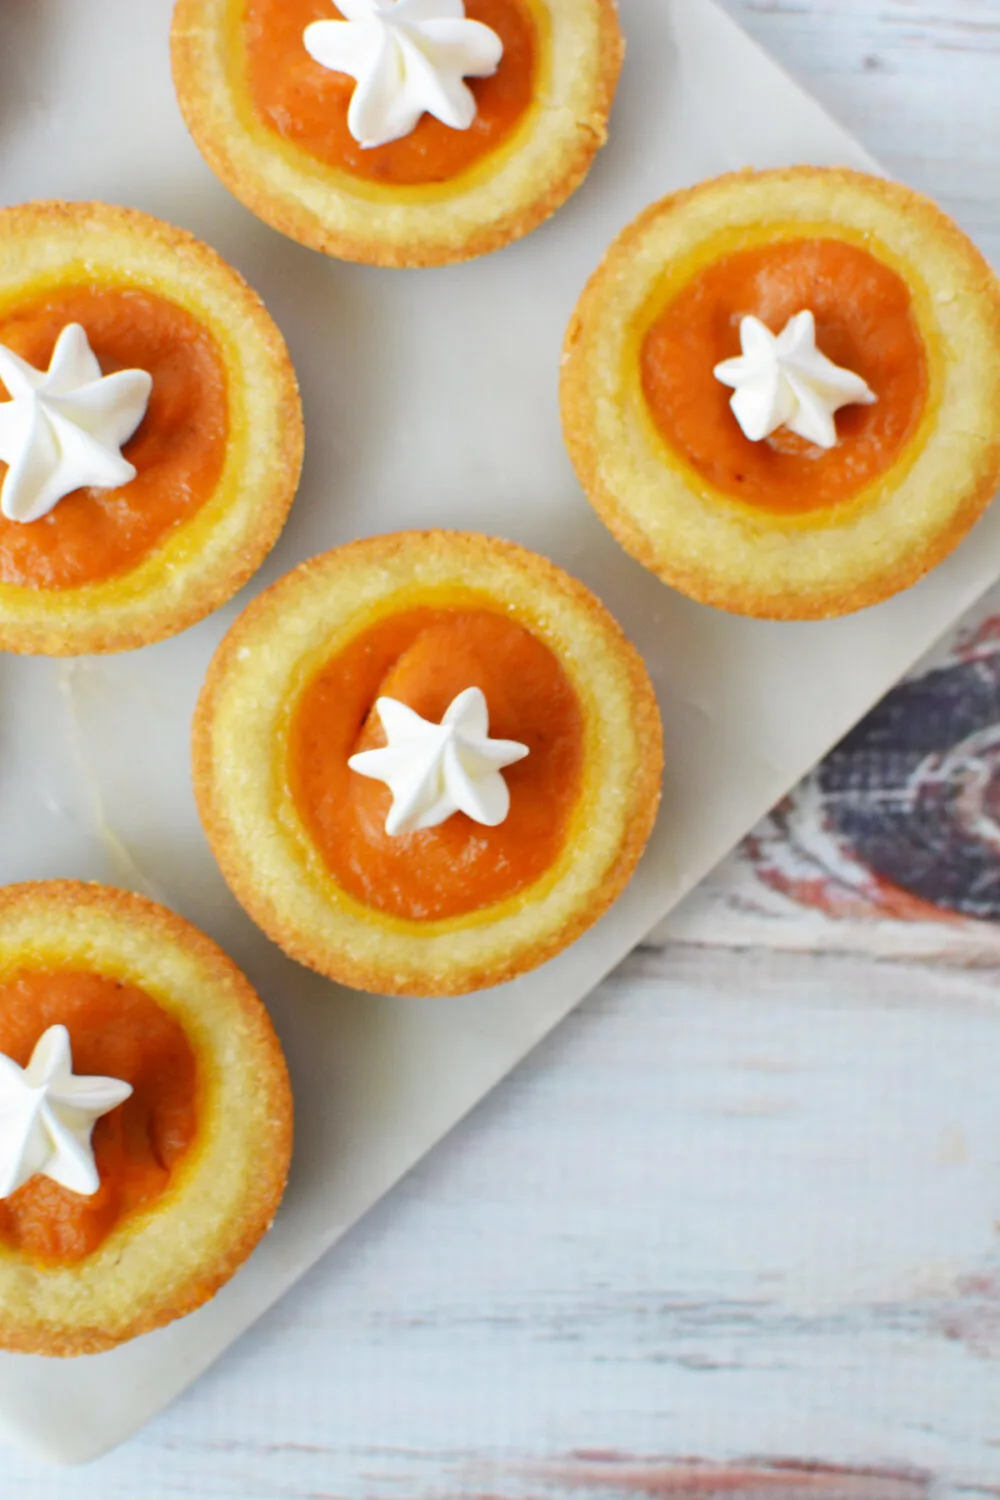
point(735, 1210)
point(735, 1229)
point(892, 846)
point(915, 80)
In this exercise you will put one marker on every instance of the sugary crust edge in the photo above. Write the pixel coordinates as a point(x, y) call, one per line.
point(645, 795)
point(707, 587)
point(202, 597)
point(189, 65)
point(24, 1337)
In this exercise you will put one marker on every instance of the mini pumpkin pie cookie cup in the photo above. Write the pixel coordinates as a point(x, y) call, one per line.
point(151, 439)
point(426, 762)
point(145, 1118)
point(353, 132)
point(781, 390)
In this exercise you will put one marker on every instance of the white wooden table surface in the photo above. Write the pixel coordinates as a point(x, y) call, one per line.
point(735, 1229)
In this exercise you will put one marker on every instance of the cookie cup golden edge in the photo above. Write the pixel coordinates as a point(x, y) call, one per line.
point(711, 546)
point(255, 830)
point(201, 564)
point(165, 1261)
point(498, 200)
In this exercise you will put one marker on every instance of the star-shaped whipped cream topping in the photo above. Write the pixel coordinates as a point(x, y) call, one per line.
point(47, 1117)
point(408, 57)
point(435, 770)
point(783, 380)
point(64, 427)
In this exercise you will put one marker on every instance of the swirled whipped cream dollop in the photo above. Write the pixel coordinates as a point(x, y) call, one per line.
point(63, 428)
point(783, 380)
point(436, 770)
point(47, 1117)
point(409, 58)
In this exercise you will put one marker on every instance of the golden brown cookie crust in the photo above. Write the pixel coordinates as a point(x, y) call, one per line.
point(161, 1263)
point(204, 562)
point(255, 831)
point(727, 554)
point(327, 210)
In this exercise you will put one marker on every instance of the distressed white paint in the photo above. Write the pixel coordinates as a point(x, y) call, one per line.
point(740, 1204)
point(730, 1208)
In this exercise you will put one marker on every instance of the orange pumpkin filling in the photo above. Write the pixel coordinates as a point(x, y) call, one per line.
point(424, 657)
point(179, 448)
point(307, 104)
point(864, 322)
point(117, 1031)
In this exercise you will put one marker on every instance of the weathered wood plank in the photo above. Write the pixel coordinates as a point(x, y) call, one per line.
point(892, 846)
point(736, 1210)
point(915, 81)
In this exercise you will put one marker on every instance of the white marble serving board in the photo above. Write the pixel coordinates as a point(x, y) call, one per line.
point(430, 399)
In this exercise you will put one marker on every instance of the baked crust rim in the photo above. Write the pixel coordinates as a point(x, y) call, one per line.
point(227, 1189)
point(201, 564)
point(749, 562)
point(248, 812)
point(318, 207)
